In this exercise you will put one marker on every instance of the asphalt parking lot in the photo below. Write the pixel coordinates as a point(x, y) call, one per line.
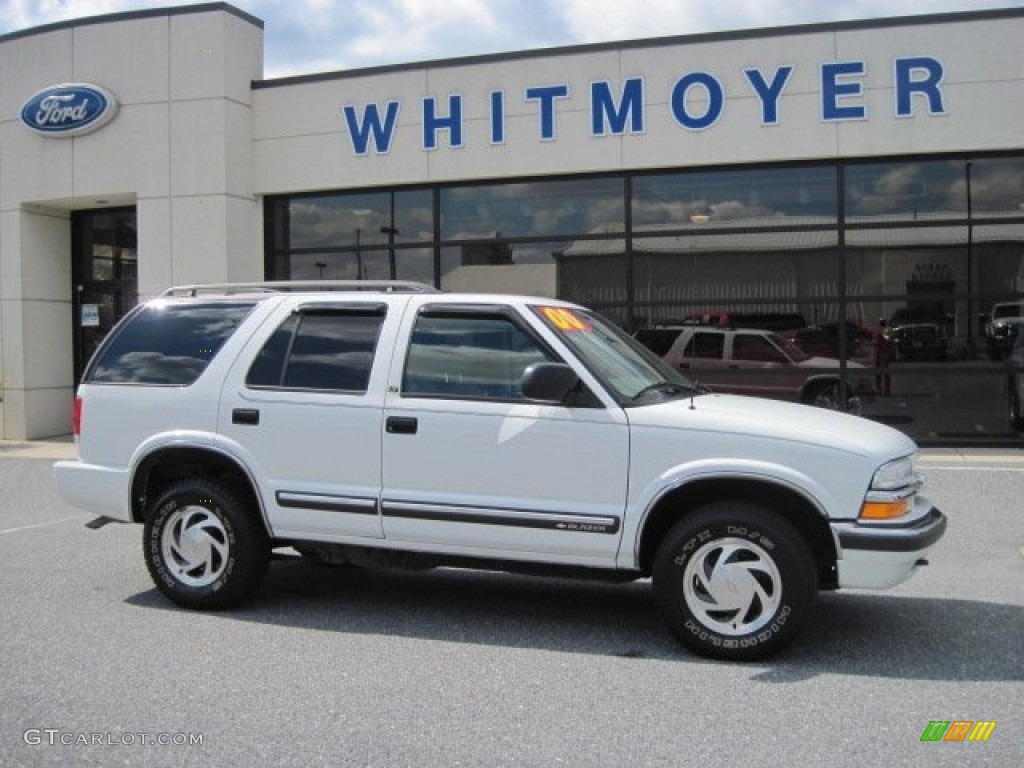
point(455, 668)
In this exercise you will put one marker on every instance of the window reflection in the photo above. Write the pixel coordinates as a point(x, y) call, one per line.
point(541, 209)
point(935, 189)
point(678, 277)
point(906, 191)
point(501, 266)
point(770, 198)
point(362, 219)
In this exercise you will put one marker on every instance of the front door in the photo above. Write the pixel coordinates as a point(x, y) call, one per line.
point(104, 248)
point(470, 466)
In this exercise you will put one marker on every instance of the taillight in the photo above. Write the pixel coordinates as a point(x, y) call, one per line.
point(76, 416)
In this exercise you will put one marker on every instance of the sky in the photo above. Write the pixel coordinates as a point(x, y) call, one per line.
point(315, 36)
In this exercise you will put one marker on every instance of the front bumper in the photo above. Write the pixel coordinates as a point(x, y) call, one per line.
point(879, 556)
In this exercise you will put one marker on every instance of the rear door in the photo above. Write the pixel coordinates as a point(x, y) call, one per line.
point(471, 466)
point(701, 355)
point(307, 411)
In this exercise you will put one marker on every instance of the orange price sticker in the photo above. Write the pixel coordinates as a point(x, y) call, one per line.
point(564, 319)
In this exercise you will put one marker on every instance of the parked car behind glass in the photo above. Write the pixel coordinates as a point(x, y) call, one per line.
point(1004, 324)
point(823, 341)
point(1015, 383)
point(919, 333)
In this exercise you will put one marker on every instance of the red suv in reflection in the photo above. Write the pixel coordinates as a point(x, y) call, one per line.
point(748, 361)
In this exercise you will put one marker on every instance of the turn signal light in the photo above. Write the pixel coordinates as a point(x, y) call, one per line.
point(884, 510)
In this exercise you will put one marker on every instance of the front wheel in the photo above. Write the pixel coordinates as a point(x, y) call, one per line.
point(734, 581)
point(824, 396)
point(202, 548)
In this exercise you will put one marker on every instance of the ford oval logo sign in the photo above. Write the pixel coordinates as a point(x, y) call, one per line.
point(70, 109)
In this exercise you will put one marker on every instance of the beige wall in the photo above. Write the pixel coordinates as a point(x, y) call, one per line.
point(179, 149)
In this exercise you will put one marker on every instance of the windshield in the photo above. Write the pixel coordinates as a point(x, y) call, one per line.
point(1008, 310)
point(625, 366)
point(794, 352)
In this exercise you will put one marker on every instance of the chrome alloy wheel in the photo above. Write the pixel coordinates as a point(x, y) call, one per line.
point(194, 545)
point(732, 586)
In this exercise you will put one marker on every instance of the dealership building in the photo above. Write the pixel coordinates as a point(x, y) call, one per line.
point(836, 173)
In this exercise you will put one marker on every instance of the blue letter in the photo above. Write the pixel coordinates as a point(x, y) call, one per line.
point(603, 108)
point(432, 123)
point(360, 132)
point(716, 101)
point(769, 94)
point(928, 85)
point(832, 91)
point(546, 97)
point(497, 117)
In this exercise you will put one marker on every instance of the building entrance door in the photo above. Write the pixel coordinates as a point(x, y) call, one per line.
point(104, 273)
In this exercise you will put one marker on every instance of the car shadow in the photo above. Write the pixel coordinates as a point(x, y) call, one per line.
point(872, 635)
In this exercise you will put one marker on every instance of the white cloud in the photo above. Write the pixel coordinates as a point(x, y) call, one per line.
point(310, 36)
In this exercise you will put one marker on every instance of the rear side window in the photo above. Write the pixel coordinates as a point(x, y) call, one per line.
point(168, 344)
point(705, 346)
point(325, 349)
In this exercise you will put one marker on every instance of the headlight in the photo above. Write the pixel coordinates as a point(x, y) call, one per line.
point(895, 474)
point(892, 490)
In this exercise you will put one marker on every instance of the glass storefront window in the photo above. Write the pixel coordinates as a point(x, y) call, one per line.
point(769, 198)
point(361, 219)
point(932, 249)
point(501, 266)
point(679, 276)
point(364, 264)
point(877, 193)
point(997, 187)
point(539, 209)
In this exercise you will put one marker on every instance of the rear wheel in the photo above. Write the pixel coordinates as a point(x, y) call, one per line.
point(734, 581)
point(202, 548)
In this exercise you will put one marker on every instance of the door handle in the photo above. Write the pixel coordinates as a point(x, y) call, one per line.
point(401, 425)
point(248, 416)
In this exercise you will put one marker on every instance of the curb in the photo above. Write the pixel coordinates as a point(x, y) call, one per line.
point(54, 450)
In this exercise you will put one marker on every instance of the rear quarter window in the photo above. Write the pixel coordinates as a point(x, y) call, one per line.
point(168, 344)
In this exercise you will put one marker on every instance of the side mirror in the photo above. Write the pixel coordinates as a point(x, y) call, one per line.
point(549, 382)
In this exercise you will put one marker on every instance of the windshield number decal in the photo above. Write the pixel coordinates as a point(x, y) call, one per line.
point(564, 319)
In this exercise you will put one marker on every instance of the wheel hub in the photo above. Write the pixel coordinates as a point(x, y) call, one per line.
point(195, 546)
point(732, 586)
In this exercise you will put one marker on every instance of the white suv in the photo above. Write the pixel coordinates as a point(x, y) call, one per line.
point(402, 425)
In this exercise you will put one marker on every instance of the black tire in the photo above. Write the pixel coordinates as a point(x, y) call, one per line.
point(824, 395)
point(734, 581)
point(202, 547)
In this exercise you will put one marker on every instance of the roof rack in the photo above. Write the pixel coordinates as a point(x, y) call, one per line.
point(277, 286)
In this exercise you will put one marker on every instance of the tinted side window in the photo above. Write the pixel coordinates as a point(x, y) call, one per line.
point(321, 350)
point(471, 357)
point(707, 346)
point(166, 343)
point(267, 369)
